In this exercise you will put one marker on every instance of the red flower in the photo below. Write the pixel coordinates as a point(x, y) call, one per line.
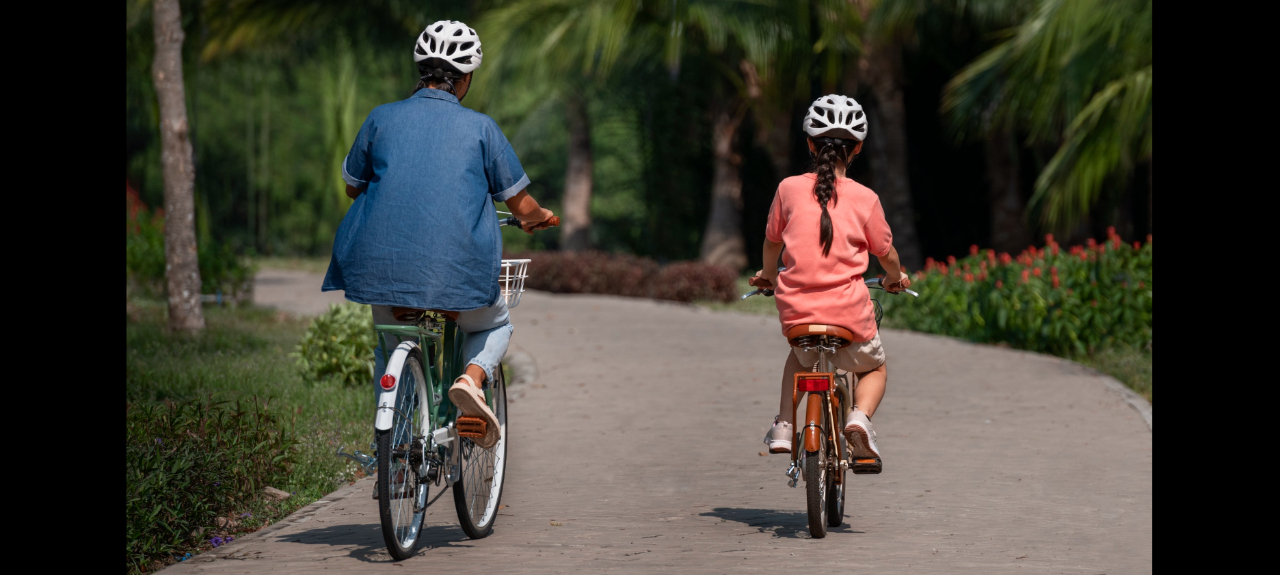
point(1148, 238)
point(991, 255)
point(999, 284)
point(1005, 259)
point(973, 250)
point(1055, 282)
point(966, 266)
point(1142, 284)
point(929, 263)
point(1111, 231)
point(1053, 271)
point(942, 269)
point(1036, 272)
point(951, 260)
point(957, 272)
point(1054, 249)
point(1091, 243)
point(1048, 239)
point(982, 264)
point(968, 278)
point(1094, 303)
point(1137, 245)
point(1026, 275)
point(982, 275)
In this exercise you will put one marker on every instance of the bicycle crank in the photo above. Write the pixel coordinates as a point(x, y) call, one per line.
point(794, 473)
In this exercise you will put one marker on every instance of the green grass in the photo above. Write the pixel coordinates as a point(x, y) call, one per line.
point(244, 353)
point(307, 264)
point(1131, 366)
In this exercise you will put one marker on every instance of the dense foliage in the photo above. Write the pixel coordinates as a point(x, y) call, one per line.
point(339, 344)
point(620, 274)
point(1065, 302)
point(188, 463)
point(221, 270)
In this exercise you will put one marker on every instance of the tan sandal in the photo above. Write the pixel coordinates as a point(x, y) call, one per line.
point(476, 422)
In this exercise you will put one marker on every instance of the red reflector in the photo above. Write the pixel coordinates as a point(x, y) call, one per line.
point(813, 384)
point(388, 382)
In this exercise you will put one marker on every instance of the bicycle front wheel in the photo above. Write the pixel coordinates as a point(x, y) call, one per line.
point(478, 491)
point(402, 494)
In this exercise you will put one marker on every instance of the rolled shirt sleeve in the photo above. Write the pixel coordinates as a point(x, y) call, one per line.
point(777, 220)
point(879, 236)
point(357, 169)
point(506, 176)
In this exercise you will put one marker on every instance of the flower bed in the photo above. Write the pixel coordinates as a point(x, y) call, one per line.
point(618, 274)
point(1065, 302)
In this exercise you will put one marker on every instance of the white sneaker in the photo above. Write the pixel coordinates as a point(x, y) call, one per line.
point(862, 437)
point(779, 437)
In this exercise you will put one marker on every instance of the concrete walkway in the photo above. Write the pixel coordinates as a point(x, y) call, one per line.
point(638, 449)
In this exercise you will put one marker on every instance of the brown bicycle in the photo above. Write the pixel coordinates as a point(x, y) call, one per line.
point(819, 451)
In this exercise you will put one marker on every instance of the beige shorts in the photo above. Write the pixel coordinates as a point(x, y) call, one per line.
point(857, 357)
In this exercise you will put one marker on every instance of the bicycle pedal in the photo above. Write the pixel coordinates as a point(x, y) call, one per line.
point(472, 427)
point(866, 466)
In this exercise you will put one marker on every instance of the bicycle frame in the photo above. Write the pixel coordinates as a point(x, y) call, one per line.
point(822, 405)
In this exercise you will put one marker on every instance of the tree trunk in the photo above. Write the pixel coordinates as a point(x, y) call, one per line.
point(1009, 232)
point(182, 266)
point(722, 243)
point(887, 146)
point(773, 133)
point(575, 221)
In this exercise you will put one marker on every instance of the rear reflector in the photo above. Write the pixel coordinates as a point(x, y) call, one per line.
point(813, 382)
point(388, 382)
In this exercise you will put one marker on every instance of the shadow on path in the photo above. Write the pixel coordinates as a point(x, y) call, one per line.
point(790, 524)
point(367, 539)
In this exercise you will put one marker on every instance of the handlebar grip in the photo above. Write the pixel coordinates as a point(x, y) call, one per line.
point(551, 222)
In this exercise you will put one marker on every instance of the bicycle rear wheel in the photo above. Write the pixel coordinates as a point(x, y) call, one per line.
point(478, 492)
point(402, 495)
point(815, 485)
point(838, 477)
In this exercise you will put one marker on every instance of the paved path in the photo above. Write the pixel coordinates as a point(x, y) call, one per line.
point(638, 448)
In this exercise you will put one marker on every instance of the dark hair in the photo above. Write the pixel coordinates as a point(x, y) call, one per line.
point(437, 74)
point(832, 150)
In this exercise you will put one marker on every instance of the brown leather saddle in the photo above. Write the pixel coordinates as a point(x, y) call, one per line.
point(810, 334)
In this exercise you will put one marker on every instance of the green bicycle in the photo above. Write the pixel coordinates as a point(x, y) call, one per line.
point(419, 437)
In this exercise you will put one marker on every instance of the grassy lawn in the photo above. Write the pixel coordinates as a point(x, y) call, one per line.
point(243, 354)
point(1131, 366)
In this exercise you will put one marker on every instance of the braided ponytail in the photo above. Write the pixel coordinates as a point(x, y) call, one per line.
point(825, 190)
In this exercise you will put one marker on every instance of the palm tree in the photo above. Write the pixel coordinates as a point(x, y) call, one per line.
point(1075, 75)
point(563, 50)
point(182, 265)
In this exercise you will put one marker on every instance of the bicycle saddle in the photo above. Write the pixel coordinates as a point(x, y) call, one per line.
point(804, 335)
point(414, 314)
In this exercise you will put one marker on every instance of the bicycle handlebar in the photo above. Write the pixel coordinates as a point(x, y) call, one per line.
point(873, 283)
point(514, 221)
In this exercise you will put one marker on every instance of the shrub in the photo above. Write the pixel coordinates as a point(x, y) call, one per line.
point(339, 344)
point(1065, 303)
point(220, 268)
point(626, 275)
point(189, 463)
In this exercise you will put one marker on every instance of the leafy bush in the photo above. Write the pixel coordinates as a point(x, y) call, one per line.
point(339, 343)
point(626, 275)
point(220, 268)
point(1065, 303)
point(191, 462)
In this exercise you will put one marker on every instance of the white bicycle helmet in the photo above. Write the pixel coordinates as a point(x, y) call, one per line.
point(836, 116)
point(452, 42)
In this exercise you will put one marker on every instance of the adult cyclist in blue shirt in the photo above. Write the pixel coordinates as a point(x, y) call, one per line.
point(422, 233)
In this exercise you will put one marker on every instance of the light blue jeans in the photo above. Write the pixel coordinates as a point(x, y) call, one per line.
point(488, 332)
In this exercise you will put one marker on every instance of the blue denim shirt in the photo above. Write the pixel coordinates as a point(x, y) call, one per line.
point(424, 233)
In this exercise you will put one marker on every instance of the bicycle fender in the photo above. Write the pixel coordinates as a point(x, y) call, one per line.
point(813, 423)
point(387, 399)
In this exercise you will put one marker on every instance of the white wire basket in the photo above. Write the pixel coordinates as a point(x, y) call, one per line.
point(512, 279)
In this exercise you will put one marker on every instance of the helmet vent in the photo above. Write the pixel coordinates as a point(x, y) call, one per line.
point(816, 124)
point(857, 115)
point(419, 50)
point(860, 127)
point(440, 27)
point(457, 32)
point(831, 115)
point(452, 47)
point(466, 45)
point(463, 59)
point(433, 45)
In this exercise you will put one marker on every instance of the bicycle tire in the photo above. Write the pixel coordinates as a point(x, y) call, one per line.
point(836, 491)
point(815, 479)
point(402, 494)
point(477, 493)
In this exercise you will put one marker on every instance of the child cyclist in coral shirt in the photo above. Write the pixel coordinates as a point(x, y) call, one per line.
point(829, 224)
